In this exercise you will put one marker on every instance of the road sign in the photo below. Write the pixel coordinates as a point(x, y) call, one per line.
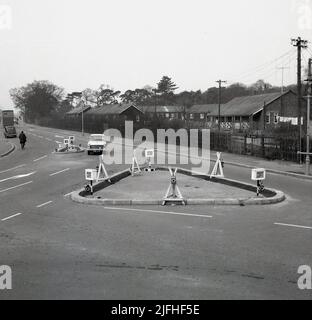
point(91, 174)
point(258, 174)
point(149, 153)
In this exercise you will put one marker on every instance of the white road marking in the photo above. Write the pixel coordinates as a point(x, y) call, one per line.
point(58, 142)
point(20, 185)
point(44, 204)
point(13, 216)
point(56, 136)
point(20, 166)
point(68, 194)
point(165, 212)
point(19, 176)
point(292, 225)
point(40, 158)
point(55, 173)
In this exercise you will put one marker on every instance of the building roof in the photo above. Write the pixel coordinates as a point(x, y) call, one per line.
point(162, 109)
point(211, 109)
point(79, 109)
point(249, 105)
point(112, 109)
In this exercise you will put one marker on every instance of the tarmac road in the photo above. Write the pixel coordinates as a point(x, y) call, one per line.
point(58, 249)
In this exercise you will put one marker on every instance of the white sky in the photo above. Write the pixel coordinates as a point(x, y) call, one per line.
point(128, 44)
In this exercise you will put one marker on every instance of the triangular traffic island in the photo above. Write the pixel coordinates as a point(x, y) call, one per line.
point(151, 188)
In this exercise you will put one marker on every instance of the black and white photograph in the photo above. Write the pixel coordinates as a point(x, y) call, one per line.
point(155, 154)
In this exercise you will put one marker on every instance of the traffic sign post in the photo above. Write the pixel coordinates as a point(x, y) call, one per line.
point(258, 175)
point(173, 194)
point(149, 154)
point(90, 175)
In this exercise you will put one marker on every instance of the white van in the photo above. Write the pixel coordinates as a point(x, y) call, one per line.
point(96, 144)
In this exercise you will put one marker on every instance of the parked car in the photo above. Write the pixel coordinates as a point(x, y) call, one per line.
point(96, 144)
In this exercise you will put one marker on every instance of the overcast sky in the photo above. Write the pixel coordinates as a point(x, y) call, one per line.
point(128, 44)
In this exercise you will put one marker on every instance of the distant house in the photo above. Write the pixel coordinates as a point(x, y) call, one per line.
point(261, 112)
point(77, 111)
point(207, 113)
point(257, 112)
point(111, 112)
point(164, 112)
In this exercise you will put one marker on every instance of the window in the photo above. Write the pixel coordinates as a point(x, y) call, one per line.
point(275, 117)
point(137, 118)
point(202, 116)
point(167, 115)
point(191, 116)
point(267, 118)
point(209, 119)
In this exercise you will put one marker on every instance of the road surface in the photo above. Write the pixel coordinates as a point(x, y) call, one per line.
point(58, 249)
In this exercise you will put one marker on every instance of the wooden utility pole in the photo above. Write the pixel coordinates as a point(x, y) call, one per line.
point(300, 44)
point(219, 103)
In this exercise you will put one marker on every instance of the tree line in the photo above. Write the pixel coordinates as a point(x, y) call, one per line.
point(41, 99)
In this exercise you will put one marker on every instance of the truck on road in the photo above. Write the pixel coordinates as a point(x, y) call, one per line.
point(7, 123)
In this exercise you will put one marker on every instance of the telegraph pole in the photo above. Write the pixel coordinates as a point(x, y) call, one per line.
point(219, 103)
point(300, 44)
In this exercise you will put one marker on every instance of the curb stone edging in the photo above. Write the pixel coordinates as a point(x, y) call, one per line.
point(10, 151)
point(272, 196)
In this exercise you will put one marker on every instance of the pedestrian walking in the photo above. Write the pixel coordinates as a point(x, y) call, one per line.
point(22, 138)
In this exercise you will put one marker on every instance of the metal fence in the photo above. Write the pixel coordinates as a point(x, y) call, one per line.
point(265, 146)
point(268, 147)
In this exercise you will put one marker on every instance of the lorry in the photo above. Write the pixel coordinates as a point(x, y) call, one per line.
point(7, 123)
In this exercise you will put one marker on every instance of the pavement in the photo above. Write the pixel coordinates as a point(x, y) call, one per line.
point(59, 249)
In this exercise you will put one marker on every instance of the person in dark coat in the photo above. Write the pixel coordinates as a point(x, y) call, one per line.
point(22, 138)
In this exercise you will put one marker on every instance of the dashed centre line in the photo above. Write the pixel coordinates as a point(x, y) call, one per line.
point(20, 185)
point(43, 204)
point(293, 226)
point(55, 173)
point(40, 158)
point(20, 166)
point(68, 194)
point(10, 217)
